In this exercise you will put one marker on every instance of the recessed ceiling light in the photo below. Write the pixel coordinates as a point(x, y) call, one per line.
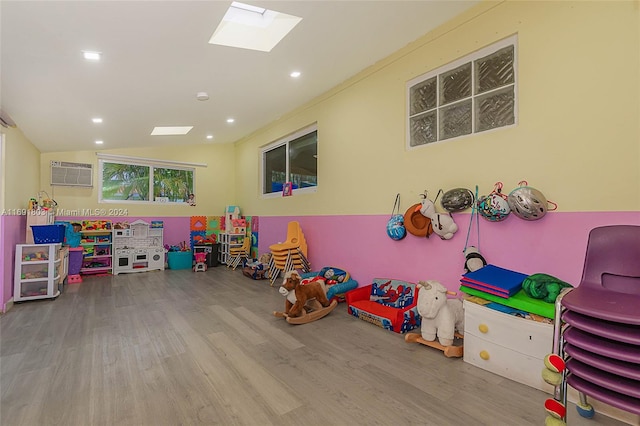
point(251, 27)
point(202, 96)
point(209, 136)
point(295, 74)
point(99, 142)
point(170, 130)
point(97, 120)
point(91, 56)
point(230, 120)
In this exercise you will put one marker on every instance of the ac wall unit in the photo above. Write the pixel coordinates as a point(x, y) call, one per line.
point(71, 174)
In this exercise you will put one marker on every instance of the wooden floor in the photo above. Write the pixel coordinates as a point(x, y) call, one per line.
point(185, 348)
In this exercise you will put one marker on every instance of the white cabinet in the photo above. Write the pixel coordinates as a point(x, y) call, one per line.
point(507, 345)
point(228, 241)
point(37, 271)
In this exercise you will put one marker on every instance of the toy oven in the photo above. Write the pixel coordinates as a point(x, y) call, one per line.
point(141, 255)
point(123, 260)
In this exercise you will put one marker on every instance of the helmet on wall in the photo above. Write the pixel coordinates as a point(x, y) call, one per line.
point(527, 203)
point(458, 199)
point(494, 207)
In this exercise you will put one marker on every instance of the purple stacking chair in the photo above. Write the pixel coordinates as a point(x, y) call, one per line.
point(600, 334)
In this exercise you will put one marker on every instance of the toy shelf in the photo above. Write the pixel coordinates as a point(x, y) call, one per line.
point(97, 253)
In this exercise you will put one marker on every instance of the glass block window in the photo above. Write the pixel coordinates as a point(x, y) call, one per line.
point(471, 95)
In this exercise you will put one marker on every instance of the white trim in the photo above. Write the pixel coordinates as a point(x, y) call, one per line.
point(8, 305)
point(146, 161)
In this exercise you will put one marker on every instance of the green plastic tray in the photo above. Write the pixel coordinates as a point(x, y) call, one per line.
point(520, 300)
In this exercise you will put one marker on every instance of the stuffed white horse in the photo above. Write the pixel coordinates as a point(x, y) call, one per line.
point(441, 316)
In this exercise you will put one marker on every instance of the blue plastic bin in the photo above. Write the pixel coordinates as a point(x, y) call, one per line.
point(180, 259)
point(48, 234)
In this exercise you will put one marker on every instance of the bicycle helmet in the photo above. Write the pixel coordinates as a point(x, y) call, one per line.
point(458, 199)
point(527, 203)
point(494, 207)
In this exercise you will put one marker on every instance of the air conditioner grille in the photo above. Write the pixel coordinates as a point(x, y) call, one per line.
point(71, 174)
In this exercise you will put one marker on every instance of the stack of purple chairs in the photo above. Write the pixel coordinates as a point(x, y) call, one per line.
point(598, 332)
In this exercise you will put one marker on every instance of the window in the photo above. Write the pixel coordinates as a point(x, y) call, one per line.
point(472, 95)
point(141, 180)
point(291, 159)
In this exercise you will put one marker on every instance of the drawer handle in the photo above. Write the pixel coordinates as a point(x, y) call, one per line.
point(484, 355)
point(484, 328)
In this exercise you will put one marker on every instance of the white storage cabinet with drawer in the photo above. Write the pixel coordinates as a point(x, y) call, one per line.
point(37, 272)
point(507, 345)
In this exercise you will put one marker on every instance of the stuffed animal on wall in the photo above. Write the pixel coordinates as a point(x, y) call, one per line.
point(441, 316)
point(442, 223)
point(473, 260)
point(298, 295)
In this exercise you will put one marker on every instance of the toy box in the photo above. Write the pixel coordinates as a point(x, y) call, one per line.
point(180, 259)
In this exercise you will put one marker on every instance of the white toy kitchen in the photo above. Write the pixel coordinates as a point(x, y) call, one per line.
point(138, 247)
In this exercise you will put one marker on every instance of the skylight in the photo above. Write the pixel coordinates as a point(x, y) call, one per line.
point(251, 27)
point(91, 56)
point(171, 130)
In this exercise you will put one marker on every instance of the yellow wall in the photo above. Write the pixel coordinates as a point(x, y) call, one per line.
point(214, 184)
point(577, 139)
point(20, 170)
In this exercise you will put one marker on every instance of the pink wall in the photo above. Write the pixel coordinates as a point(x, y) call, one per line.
point(554, 245)
point(176, 229)
point(12, 232)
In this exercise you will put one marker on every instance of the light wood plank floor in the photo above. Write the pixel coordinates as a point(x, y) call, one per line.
point(185, 348)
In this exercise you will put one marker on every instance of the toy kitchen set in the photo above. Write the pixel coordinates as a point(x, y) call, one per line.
point(138, 247)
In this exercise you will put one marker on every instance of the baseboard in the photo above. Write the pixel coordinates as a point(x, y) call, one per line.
point(7, 306)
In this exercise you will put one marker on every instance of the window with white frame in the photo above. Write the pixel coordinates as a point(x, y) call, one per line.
point(294, 159)
point(145, 181)
point(471, 95)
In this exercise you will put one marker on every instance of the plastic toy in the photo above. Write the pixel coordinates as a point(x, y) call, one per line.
point(201, 262)
point(304, 303)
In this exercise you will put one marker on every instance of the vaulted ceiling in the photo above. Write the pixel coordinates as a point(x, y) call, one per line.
point(156, 57)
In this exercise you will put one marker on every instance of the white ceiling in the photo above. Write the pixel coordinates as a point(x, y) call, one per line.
point(156, 57)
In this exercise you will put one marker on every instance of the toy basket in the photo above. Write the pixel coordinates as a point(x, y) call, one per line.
point(48, 234)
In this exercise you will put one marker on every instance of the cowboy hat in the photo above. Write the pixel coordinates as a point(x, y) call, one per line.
point(416, 223)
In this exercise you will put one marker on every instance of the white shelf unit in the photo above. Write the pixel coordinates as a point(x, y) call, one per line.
point(37, 272)
point(227, 241)
point(97, 251)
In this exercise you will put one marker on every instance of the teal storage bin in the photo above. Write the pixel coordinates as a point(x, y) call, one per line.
point(180, 259)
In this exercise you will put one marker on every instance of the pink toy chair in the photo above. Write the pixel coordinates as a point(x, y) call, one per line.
point(201, 262)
